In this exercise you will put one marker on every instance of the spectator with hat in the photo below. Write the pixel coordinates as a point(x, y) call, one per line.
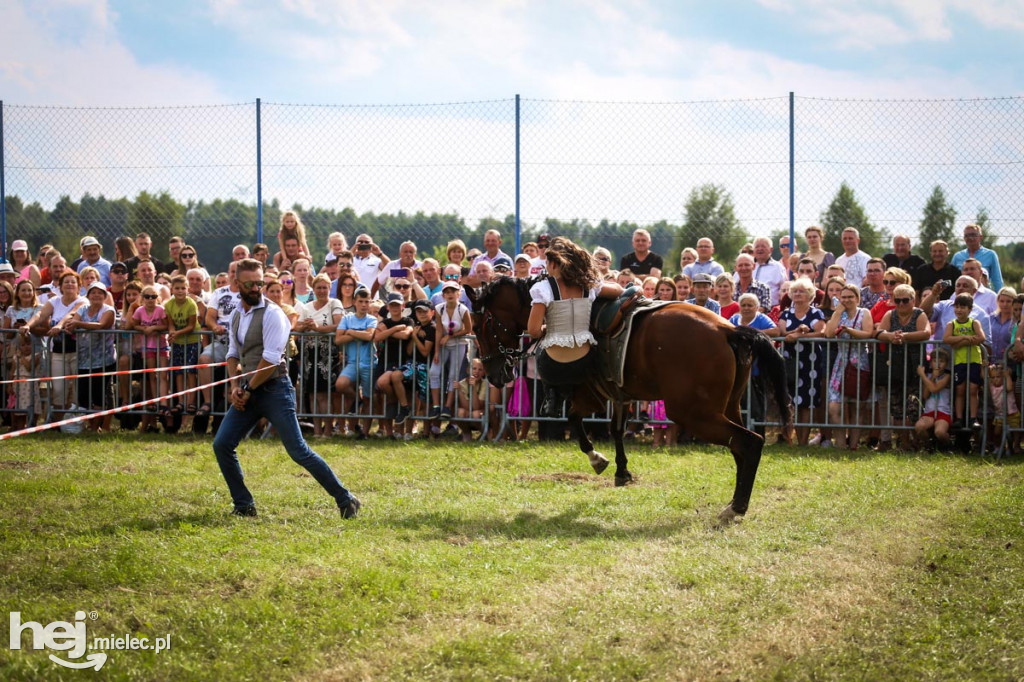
point(502, 266)
point(453, 325)
point(92, 257)
point(701, 290)
point(7, 274)
point(21, 262)
point(521, 266)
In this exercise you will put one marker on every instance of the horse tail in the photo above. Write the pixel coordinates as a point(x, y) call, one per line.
point(749, 344)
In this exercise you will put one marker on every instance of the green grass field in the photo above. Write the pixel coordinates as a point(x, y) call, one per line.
point(515, 562)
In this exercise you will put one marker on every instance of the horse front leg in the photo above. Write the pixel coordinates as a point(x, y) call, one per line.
point(618, 427)
point(598, 461)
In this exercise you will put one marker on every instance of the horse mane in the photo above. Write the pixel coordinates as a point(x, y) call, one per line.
point(491, 289)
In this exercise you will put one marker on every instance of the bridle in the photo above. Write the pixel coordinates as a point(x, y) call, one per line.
point(511, 355)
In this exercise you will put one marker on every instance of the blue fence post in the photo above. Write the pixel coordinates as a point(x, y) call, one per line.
point(3, 190)
point(518, 227)
point(792, 185)
point(259, 175)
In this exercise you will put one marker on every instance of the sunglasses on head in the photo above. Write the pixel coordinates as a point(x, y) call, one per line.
point(902, 300)
point(150, 297)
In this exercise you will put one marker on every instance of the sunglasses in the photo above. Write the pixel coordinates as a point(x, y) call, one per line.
point(287, 281)
point(249, 286)
point(119, 272)
point(150, 297)
point(451, 277)
point(344, 265)
point(188, 255)
point(889, 282)
point(902, 300)
point(402, 287)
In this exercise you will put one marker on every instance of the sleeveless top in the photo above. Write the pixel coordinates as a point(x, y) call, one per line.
point(965, 354)
point(905, 357)
point(938, 402)
point(568, 320)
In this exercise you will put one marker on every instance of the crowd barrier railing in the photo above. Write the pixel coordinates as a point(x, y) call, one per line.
point(888, 406)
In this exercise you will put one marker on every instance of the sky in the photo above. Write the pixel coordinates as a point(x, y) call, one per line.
point(554, 53)
point(153, 52)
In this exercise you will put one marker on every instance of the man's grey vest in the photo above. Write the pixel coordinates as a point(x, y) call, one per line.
point(251, 350)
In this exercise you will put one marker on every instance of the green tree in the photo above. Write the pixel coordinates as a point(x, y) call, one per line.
point(988, 237)
point(709, 213)
point(938, 222)
point(161, 216)
point(845, 211)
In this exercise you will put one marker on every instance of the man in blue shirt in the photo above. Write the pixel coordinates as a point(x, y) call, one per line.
point(704, 263)
point(91, 250)
point(987, 257)
point(702, 284)
point(942, 312)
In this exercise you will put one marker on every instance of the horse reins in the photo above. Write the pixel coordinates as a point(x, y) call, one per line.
point(511, 355)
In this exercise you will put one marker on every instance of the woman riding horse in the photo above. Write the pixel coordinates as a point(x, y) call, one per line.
point(560, 318)
point(702, 390)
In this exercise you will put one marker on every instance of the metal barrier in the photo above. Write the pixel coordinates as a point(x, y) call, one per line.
point(890, 404)
point(1012, 395)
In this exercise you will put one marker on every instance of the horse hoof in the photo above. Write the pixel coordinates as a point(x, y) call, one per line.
point(728, 517)
point(598, 461)
point(623, 480)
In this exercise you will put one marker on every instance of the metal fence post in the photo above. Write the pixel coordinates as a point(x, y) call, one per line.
point(259, 175)
point(3, 190)
point(792, 186)
point(518, 234)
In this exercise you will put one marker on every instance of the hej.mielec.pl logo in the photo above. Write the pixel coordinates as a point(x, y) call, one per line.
point(72, 638)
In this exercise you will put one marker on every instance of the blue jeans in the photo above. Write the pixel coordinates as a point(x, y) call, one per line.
point(274, 400)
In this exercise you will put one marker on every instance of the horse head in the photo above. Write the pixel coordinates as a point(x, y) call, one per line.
point(501, 310)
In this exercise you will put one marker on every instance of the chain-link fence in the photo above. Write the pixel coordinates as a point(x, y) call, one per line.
point(591, 170)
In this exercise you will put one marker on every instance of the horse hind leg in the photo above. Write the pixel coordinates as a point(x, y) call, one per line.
point(746, 449)
point(618, 428)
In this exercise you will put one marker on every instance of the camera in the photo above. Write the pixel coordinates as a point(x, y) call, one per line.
point(946, 283)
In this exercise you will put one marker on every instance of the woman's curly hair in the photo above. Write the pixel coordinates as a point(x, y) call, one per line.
point(576, 263)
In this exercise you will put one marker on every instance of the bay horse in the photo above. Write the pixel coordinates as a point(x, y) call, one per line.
point(701, 383)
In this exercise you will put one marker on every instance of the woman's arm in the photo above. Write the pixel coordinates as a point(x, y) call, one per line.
point(610, 290)
point(536, 327)
point(467, 325)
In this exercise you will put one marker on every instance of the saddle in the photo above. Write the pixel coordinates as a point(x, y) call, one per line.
point(611, 322)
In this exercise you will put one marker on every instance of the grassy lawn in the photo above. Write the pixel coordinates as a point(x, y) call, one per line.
point(481, 562)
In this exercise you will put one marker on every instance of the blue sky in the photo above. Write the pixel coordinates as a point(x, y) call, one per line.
point(92, 52)
point(634, 161)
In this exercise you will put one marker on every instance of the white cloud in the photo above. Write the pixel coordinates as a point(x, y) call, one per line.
point(67, 52)
point(868, 24)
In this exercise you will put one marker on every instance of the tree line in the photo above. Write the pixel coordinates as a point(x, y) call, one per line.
point(214, 227)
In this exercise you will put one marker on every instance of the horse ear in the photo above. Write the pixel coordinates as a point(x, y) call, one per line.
point(471, 294)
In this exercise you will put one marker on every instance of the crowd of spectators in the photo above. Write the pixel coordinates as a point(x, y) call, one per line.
point(375, 335)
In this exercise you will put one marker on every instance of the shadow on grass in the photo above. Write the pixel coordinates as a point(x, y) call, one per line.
point(183, 522)
point(532, 525)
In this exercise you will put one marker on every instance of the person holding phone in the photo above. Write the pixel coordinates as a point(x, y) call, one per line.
point(402, 268)
point(368, 259)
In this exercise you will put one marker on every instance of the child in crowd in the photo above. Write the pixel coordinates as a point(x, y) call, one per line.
point(392, 334)
point(453, 324)
point(23, 398)
point(664, 434)
point(1004, 404)
point(182, 315)
point(965, 334)
point(150, 318)
point(357, 329)
point(415, 373)
point(291, 228)
point(472, 395)
point(936, 414)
